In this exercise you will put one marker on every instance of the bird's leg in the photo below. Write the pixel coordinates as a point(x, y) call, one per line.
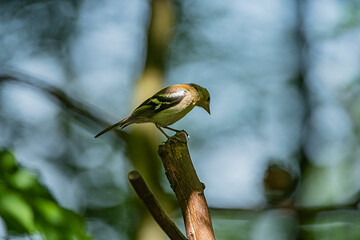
point(175, 130)
point(162, 131)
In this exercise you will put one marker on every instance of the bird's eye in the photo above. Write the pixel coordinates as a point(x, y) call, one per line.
point(208, 99)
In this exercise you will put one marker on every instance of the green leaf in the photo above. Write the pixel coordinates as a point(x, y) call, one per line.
point(27, 207)
point(7, 161)
point(50, 211)
point(14, 209)
point(23, 180)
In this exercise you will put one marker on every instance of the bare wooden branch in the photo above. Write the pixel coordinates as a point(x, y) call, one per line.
point(154, 207)
point(187, 187)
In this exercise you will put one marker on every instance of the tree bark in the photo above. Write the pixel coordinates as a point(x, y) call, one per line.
point(187, 187)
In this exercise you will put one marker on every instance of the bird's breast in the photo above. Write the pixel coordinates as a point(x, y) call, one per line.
point(174, 113)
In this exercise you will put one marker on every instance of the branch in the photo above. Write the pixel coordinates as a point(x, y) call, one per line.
point(78, 110)
point(154, 207)
point(187, 187)
point(303, 212)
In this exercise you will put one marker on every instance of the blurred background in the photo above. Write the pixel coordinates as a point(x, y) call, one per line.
point(279, 154)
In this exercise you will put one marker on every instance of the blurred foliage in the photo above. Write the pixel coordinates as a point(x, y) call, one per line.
point(335, 225)
point(27, 207)
point(279, 183)
point(47, 24)
point(350, 20)
point(284, 62)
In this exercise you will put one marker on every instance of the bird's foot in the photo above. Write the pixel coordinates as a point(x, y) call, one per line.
point(177, 131)
point(187, 135)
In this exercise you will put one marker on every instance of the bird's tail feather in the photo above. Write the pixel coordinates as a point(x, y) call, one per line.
point(123, 123)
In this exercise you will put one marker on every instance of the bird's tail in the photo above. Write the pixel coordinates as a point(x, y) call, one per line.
point(123, 123)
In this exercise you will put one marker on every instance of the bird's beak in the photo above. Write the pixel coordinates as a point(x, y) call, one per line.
point(207, 108)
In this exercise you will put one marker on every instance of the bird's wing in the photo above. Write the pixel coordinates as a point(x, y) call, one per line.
point(164, 99)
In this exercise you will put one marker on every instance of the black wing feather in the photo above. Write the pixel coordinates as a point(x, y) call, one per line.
point(158, 102)
point(166, 101)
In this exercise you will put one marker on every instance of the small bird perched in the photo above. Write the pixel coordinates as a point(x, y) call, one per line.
point(166, 107)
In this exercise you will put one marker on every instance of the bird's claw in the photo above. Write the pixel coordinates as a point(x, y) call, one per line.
point(187, 135)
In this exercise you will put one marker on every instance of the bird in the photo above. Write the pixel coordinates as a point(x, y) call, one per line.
point(166, 107)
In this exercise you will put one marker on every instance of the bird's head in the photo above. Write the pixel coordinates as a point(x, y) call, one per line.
point(204, 97)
